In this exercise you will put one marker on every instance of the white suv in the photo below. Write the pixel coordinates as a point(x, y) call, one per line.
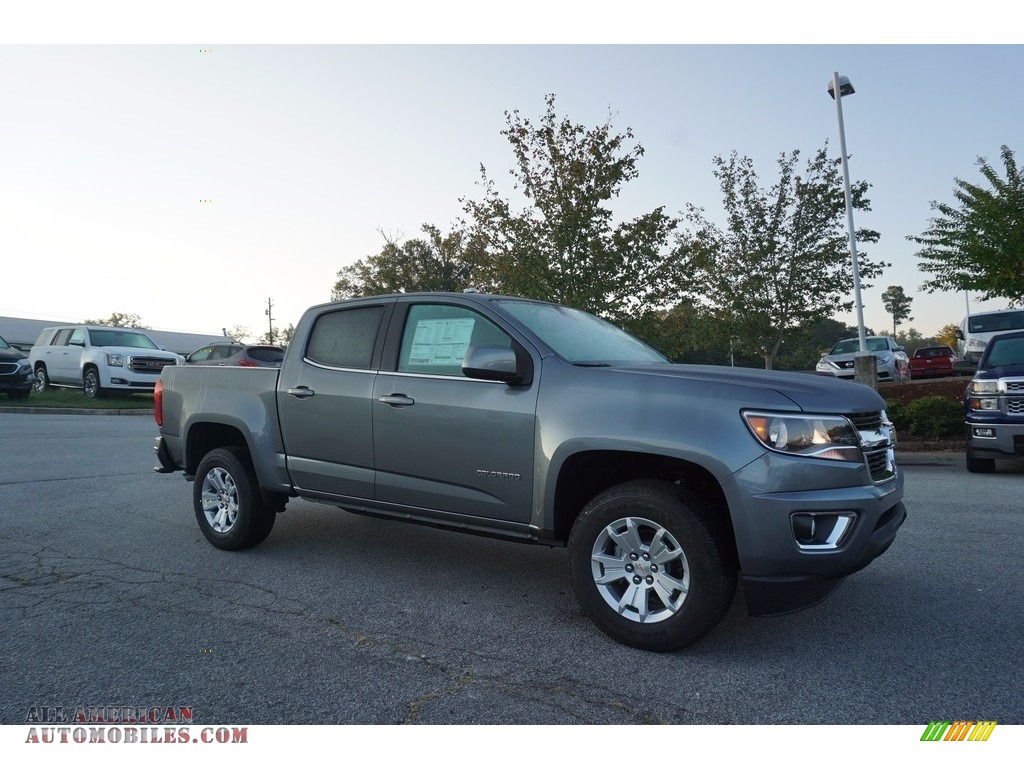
point(98, 359)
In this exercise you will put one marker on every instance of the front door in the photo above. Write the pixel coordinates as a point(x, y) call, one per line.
point(445, 442)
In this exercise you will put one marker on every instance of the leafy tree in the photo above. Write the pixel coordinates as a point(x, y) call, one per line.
point(437, 263)
point(237, 332)
point(977, 243)
point(947, 335)
point(277, 337)
point(782, 260)
point(119, 320)
point(912, 339)
point(897, 304)
point(564, 245)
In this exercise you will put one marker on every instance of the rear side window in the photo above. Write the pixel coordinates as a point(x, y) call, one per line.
point(346, 338)
point(265, 355)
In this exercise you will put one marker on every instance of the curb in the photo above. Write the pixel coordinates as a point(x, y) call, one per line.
point(81, 411)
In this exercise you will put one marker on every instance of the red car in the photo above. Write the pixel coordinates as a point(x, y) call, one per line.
point(933, 361)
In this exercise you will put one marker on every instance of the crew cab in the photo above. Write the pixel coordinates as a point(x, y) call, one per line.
point(543, 424)
point(994, 404)
point(98, 359)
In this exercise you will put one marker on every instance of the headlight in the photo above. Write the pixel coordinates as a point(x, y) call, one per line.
point(983, 403)
point(24, 366)
point(820, 437)
point(989, 387)
point(115, 360)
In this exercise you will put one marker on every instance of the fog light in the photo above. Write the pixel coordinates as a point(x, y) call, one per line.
point(119, 381)
point(821, 530)
point(987, 432)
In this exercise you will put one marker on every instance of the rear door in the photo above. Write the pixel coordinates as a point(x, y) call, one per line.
point(325, 401)
point(442, 441)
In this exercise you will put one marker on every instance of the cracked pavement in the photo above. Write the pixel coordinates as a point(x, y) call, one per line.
point(110, 596)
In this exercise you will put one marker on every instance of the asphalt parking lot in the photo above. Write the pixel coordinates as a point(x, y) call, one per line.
point(109, 595)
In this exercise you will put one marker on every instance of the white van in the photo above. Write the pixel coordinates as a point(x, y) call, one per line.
point(976, 329)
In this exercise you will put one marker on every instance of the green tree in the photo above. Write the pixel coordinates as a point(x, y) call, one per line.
point(897, 304)
point(977, 243)
point(237, 332)
point(564, 245)
point(119, 320)
point(437, 263)
point(947, 335)
point(782, 260)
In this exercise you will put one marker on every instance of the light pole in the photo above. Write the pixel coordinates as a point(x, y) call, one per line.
point(838, 87)
point(843, 87)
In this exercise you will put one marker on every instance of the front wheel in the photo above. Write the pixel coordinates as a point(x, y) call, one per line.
point(91, 383)
point(981, 466)
point(42, 381)
point(649, 566)
point(228, 503)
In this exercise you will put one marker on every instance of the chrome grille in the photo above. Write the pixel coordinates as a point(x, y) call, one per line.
point(1015, 405)
point(6, 369)
point(1015, 385)
point(877, 442)
point(862, 421)
point(149, 364)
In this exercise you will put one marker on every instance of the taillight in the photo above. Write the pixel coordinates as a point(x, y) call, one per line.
point(158, 403)
point(249, 364)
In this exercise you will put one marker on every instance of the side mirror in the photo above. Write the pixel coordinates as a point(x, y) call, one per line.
point(964, 366)
point(959, 334)
point(496, 363)
point(900, 349)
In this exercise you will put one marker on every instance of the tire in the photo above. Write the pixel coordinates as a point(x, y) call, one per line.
point(980, 466)
point(228, 502)
point(42, 382)
point(648, 566)
point(91, 383)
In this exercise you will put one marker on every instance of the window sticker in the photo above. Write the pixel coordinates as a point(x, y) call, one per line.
point(441, 342)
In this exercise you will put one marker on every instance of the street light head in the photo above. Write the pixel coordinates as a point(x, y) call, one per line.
point(845, 87)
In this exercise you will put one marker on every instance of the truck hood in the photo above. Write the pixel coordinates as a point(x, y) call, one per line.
point(11, 355)
point(1017, 369)
point(809, 392)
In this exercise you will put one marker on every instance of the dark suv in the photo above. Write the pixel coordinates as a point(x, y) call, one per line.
point(16, 377)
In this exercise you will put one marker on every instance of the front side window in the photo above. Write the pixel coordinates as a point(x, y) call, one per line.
point(200, 354)
point(436, 337)
point(345, 338)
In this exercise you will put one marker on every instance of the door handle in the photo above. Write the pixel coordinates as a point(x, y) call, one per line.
point(300, 392)
point(396, 401)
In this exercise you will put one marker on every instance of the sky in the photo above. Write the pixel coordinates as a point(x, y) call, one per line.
point(188, 177)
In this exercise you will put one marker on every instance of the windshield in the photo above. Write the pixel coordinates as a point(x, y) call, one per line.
point(119, 338)
point(997, 322)
point(578, 337)
point(4, 344)
point(849, 346)
point(1005, 352)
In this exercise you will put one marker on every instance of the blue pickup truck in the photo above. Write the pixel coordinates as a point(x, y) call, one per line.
point(994, 404)
point(543, 424)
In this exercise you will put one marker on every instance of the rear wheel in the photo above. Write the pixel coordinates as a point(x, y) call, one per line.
point(649, 567)
point(228, 503)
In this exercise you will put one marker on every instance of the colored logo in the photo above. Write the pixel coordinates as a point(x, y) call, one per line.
point(960, 730)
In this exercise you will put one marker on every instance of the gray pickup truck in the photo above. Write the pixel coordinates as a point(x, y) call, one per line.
point(539, 423)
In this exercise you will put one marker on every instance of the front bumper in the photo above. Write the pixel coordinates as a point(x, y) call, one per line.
point(782, 572)
point(1006, 441)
